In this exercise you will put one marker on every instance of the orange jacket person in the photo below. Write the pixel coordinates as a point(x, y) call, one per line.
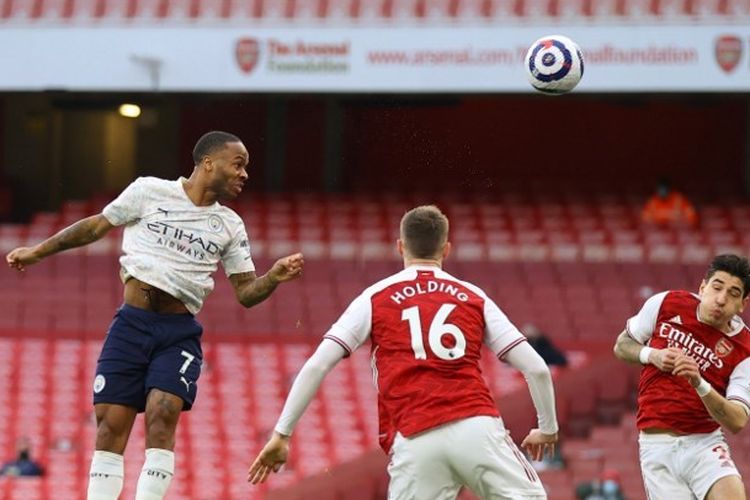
point(668, 207)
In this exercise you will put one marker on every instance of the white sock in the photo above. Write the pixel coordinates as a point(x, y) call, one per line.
point(106, 475)
point(156, 474)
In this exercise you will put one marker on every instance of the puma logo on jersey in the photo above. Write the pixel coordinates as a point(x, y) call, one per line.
point(187, 384)
point(676, 319)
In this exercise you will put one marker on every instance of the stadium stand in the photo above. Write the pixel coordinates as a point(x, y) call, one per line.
point(577, 277)
point(580, 293)
point(566, 252)
point(369, 11)
point(242, 389)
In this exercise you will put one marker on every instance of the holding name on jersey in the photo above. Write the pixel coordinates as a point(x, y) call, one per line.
point(554, 64)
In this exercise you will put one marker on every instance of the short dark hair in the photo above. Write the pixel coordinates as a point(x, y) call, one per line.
point(210, 142)
point(733, 265)
point(424, 231)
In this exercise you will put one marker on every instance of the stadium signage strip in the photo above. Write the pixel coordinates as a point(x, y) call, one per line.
point(618, 59)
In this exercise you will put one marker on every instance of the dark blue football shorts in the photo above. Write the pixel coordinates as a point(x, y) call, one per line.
point(144, 350)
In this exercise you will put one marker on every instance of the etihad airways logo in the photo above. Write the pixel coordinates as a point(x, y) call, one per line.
point(703, 355)
point(185, 242)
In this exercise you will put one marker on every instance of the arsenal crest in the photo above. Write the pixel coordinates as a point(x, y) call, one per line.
point(728, 52)
point(247, 52)
point(723, 348)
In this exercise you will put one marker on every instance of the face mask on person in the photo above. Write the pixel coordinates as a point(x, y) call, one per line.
point(24, 455)
point(610, 487)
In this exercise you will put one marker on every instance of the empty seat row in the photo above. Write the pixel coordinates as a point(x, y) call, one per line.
point(348, 11)
point(48, 400)
point(242, 389)
point(573, 301)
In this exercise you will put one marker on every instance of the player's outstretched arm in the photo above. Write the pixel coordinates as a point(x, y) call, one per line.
point(730, 414)
point(251, 289)
point(627, 349)
point(542, 440)
point(81, 233)
point(303, 390)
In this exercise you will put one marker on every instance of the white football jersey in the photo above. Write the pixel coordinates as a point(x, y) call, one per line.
point(174, 245)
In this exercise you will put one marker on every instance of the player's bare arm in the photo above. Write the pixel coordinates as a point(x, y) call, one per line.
point(730, 414)
point(628, 350)
point(251, 289)
point(81, 233)
point(273, 455)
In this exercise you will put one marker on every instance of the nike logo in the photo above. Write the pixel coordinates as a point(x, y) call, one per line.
point(187, 384)
point(165, 212)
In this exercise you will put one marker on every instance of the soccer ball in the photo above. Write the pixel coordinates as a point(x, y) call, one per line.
point(554, 64)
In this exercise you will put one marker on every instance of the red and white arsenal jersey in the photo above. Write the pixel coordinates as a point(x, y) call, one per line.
point(670, 319)
point(427, 329)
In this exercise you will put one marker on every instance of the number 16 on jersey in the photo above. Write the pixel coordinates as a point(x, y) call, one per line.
point(438, 328)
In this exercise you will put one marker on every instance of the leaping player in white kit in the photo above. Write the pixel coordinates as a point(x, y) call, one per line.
point(696, 378)
point(176, 233)
point(437, 417)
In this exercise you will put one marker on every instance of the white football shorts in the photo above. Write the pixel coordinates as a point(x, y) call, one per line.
point(476, 452)
point(684, 467)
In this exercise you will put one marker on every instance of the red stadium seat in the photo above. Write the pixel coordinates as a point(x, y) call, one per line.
point(369, 10)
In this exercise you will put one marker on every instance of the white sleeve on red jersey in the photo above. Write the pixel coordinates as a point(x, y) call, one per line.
point(500, 335)
point(739, 385)
point(523, 357)
point(306, 384)
point(353, 328)
point(641, 326)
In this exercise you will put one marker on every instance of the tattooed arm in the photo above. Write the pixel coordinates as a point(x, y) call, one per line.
point(250, 289)
point(731, 414)
point(81, 233)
